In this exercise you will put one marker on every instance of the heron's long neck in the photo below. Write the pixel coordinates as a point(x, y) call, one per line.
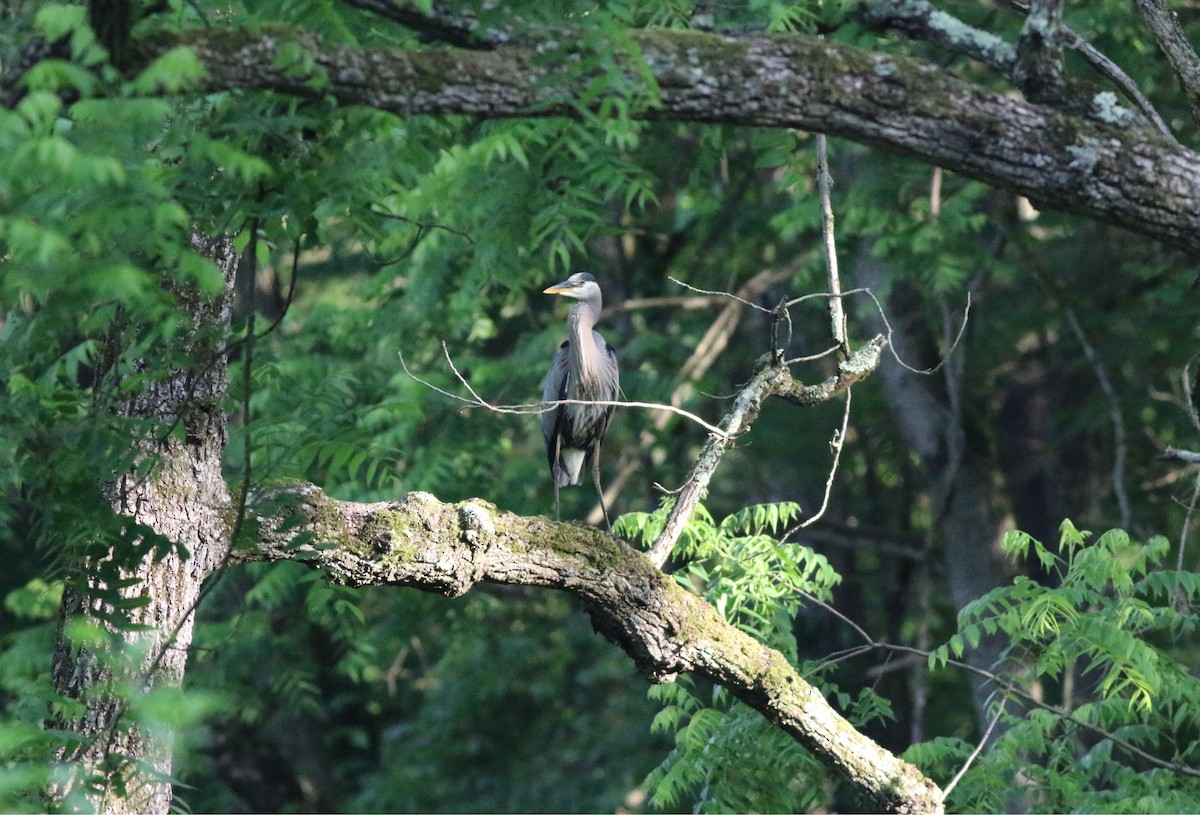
point(585, 356)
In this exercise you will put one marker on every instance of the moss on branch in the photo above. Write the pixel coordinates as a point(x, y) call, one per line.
point(421, 542)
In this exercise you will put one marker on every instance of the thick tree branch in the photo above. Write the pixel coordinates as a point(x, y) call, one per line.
point(448, 548)
point(921, 20)
point(851, 371)
point(1132, 178)
point(1165, 27)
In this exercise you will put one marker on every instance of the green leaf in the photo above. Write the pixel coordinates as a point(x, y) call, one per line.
point(175, 71)
point(55, 21)
point(57, 76)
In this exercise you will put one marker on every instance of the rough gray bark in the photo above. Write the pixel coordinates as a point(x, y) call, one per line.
point(1101, 167)
point(448, 548)
point(921, 20)
point(185, 499)
point(1039, 68)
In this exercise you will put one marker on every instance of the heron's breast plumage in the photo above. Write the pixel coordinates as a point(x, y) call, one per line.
point(584, 369)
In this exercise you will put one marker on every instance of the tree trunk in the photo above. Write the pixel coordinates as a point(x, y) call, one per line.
point(970, 509)
point(183, 497)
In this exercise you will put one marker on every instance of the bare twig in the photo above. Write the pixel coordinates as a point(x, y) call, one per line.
point(987, 734)
point(711, 346)
point(741, 300)
point(1189, 389)
point(1110, 70)
point(838, 442)
point(814, 295)
point(843, 655)
point(422, 226)
point(1187, 456)
point(858, 629)
point(890, 331)
point(955, 440)
point(1010, 690)
point(771, 379)
point(1187, 522)
point(837, 314)
point(833, 349)
point(1114, 410)
point(542, 407)
point(438, 23)
point(716, 338)
point(945, 356)
point(459, 376)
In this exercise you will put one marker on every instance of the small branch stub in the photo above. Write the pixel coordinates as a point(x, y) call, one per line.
point(1039, 68)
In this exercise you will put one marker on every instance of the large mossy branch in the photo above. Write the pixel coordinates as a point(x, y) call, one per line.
point(448, 548)
point(1133, 178)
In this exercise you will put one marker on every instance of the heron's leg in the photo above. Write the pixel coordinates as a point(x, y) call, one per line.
point(599, 489)
point(554, 474)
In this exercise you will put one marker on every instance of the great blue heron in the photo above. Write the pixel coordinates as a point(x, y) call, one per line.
point(584, 368)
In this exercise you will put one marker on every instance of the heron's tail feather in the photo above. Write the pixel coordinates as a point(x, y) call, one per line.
point(568, 469)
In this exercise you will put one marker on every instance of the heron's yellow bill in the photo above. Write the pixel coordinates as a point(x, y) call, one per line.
point(559, 289)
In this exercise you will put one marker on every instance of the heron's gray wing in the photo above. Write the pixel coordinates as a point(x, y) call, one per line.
point(554, 388)
point(610, 371)
point(612, 386)
point(620, 393)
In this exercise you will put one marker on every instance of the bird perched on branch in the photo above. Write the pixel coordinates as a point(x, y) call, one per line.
point(584, 369)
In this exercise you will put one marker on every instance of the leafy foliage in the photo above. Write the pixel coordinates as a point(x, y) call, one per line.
point(726, 757)
point(1099, 638)
point(399, 235)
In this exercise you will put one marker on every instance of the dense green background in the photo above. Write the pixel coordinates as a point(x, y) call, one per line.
point(380, 236)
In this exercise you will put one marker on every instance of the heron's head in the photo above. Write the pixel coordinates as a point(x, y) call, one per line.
point(579, 286)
